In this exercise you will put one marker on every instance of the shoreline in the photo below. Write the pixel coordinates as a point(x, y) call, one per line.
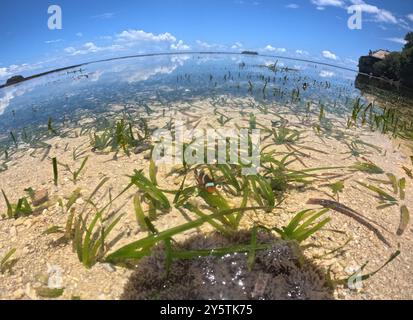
point(171, 54)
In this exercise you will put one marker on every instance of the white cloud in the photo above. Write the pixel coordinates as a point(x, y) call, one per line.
point(69, 50)
point(145, 74)
point(79, 34)
point(329, 55)
point(147, 71)
point(386, 16)
point(128, 39)
point(131, 37)
point(90, 47)
point(379, 14)
point(237, 45)
point(6, 72)
point(5, 100)
point(351, 61)
point(140, 36)
point(320, 4)
point(180, 46)
point(273, 49)
point(95, 76)
point(103, 16)
point(326, 74)
point(206, 45)
point(180, 60)
point(302, 52)
point(404, 24)
point(9, 93)
point(396, 40)
point(249, 2)
point(53, 41)
point(410, 17)
point(292, 6)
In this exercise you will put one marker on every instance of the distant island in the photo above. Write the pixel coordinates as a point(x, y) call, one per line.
point(14, 80)
point(18, 78)
point(250, 52)
point(396, 67)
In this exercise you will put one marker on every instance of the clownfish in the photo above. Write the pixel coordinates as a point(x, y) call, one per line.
point(205, 181)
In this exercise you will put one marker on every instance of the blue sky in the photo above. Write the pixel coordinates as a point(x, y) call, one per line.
point(94, 29)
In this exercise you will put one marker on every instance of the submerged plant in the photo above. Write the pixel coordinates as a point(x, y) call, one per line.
point(119, 136)
point(404, 220)
point(303, 225)
point(50, 127)
point(13, 138)
point(150, 192)
point(89, 240)
point(364, 277)
point(408, 172)
point(55, 172)
point(229, 177)
point(321, 114)
point(143, 247)
point(337, 188)
point(78, 153)
point(284, 135)
point(139, 213)
point(217, 203)
point(262, 191)
point(281, 176)
point(75, 173)
point(357, 107)
point(222, 119)
point(387, 200)
point(367, 167)
point(357, 148)
point(88, 230)
point(46, 292)
point(290, 138)
point(22, 208)
point(252, 121)
point(123, 137)
point(6, 263)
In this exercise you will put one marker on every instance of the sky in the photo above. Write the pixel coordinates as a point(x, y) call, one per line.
point(97, 29)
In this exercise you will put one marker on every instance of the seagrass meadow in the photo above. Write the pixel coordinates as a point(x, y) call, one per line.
point(87, 213)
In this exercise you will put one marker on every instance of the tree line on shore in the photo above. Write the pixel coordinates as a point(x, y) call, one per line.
point(397, 66)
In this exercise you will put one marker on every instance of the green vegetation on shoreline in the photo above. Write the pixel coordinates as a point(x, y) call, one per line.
point(396, 66)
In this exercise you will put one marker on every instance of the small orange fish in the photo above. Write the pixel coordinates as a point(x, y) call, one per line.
point(205, 181)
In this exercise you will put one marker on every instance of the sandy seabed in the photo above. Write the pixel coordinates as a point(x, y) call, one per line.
point(41, 258)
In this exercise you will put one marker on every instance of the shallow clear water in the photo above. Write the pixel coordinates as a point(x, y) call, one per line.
point(167, 79)
point(320, 137)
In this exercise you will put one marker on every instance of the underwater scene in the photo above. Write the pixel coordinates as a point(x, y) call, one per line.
point(205, 176)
